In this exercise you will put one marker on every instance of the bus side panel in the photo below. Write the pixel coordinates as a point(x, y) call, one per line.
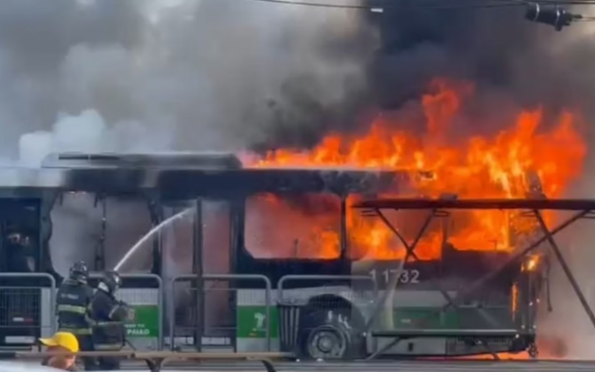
point(251, 310)
point(251, 321)
point(142, 330)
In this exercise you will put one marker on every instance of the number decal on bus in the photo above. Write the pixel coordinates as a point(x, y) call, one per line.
point(407, 276)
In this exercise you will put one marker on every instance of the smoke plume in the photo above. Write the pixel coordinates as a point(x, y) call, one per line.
point(177, 74)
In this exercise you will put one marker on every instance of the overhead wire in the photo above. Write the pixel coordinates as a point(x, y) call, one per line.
point(430, 4)
point(379, 6)
point(401, 4)
point(319, 5)
point(557, 2)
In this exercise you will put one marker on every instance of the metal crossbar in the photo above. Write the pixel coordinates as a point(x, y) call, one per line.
point(410, 252)
point(409, 333)
point(584, 208)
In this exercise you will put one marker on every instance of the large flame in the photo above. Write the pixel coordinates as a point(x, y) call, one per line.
point(506, 165)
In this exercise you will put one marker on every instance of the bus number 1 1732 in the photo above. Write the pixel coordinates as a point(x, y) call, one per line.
point(386, 275)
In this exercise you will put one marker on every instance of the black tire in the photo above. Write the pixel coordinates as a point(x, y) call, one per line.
point(329, 335)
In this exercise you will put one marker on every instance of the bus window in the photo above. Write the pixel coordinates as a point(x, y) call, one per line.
point(293, 226)
point(99, 232)
point(371, 239)
point(20, 253)
point(127, 221)
point(216, 242)
point(19, 230)
point(480, 230)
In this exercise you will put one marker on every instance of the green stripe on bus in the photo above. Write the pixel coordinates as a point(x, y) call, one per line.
point(251, 322)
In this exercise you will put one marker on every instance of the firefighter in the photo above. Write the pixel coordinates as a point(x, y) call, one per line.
point(108, 314)
point(72, 307)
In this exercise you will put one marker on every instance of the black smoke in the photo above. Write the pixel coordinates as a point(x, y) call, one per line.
point(513, 63)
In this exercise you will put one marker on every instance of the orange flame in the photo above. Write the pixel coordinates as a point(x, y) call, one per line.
point(506, 165)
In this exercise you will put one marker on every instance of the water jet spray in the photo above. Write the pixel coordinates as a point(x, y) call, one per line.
point(150, 234)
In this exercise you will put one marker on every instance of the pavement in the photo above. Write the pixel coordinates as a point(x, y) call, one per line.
point(401, 366)
point(375, 366)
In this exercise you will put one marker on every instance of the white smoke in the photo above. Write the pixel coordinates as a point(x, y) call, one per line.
point(567, 331)
point(88, 132)
point(177, 75)
point(156, 75)
point(78, 219)
point(201, 73)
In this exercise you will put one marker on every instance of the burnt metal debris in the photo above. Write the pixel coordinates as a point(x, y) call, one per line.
point(583, 208)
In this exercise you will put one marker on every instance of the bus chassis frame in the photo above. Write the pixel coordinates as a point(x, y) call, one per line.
point(583, 208)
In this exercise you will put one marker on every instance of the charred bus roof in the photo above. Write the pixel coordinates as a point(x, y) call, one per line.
point(166, 161)
point(186, 176)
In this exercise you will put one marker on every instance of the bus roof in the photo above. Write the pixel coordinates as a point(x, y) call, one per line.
point(164, 160)
point(184, 176)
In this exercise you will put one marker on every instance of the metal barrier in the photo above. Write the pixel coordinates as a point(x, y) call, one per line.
point(156, 361)
point(26, 308)
point(146, 328)
point(196, 326)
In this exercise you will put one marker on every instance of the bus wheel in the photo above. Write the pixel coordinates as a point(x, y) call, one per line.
point(327, 342)
point(326, 334)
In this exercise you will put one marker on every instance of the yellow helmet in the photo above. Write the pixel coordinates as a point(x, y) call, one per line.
point(64, 339)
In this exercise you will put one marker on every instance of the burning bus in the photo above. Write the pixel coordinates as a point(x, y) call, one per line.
point(292, 227)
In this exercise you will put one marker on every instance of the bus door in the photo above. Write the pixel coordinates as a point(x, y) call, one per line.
point(213, 243)
point(21, 297)
point(200, 244)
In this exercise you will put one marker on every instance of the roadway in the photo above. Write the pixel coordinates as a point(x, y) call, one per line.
point(400, 366)
point(376, 366)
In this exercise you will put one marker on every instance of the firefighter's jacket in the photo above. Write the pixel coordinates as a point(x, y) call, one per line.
point(72, 307)
point(108, 315)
